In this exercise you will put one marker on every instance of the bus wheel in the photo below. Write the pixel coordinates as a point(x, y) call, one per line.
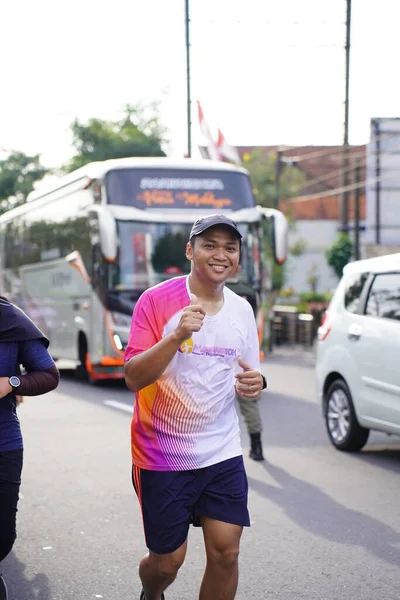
point(81, 370)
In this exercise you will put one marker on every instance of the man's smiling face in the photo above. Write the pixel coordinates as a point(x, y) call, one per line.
point(214, 254)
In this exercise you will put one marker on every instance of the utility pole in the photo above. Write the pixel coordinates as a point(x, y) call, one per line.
point(377, 182)
point(278, 171)
point(345, 157)
point(188, 98)
point(280, 163)
point(357, 196)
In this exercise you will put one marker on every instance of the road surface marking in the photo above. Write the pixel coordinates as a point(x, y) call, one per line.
point(119, 405)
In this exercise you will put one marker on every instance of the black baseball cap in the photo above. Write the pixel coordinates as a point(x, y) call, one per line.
point(206, 222)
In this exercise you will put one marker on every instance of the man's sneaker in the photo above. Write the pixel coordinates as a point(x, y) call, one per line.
point(3, 589)
point(256, 451)
point(142, 596)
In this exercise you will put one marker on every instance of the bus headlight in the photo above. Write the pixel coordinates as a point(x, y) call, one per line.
point(117, 341)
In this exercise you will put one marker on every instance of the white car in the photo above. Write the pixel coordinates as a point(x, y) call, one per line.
point(358, 353)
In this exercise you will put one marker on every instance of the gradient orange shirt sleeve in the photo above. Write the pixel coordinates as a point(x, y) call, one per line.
point(145, 331)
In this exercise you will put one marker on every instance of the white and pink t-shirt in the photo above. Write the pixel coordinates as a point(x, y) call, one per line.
point(187, 418)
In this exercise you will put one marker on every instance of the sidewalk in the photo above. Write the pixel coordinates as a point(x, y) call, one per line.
point(292, 354)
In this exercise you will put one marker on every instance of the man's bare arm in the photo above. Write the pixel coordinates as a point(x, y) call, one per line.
point(145, 368)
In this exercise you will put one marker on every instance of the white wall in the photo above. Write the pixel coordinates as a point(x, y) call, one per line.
point(318, 235)
point(389, 155)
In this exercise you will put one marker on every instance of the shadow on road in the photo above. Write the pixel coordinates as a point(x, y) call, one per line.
point(381, 457)
point(318, 513)
point(295, 423)
point(19, 586)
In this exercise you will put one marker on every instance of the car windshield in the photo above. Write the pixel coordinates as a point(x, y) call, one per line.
point(149, 253)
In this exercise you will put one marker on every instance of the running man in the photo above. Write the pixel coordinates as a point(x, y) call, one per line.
point(192, 342)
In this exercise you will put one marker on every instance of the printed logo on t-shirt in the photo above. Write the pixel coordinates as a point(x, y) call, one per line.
point(187, 347)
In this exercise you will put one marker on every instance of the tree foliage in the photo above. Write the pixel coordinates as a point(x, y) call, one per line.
point(268, 188)
point(339, 253)
point(136, 134)
point(18, 172)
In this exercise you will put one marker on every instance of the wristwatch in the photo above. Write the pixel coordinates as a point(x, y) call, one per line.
point(264, 387)
point(15, 382)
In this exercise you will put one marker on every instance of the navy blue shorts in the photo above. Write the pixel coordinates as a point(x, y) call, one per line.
point(173, 500)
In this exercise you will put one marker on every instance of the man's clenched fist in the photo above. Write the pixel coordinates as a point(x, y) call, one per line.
point(191, 319)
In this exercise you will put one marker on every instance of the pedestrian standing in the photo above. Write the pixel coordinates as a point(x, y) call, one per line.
point(251, 414)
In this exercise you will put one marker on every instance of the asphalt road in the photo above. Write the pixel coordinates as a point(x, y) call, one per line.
point(325, 525)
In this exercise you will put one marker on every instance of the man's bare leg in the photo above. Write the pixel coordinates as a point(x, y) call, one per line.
point(222, 542)
point(158, 571)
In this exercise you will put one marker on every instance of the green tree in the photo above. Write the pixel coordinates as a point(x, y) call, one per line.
point(263, 174)
point(18, 172)
point(267, 191)
point(298, 247)
point(339, 253)
point(138, 133)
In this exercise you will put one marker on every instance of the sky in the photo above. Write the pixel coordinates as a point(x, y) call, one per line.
point(265, 71)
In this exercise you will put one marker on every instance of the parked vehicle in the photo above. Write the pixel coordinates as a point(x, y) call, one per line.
point(358, 351)
point(77, 255)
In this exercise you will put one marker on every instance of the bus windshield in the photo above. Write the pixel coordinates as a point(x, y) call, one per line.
point(153, 188)
point(153, 252)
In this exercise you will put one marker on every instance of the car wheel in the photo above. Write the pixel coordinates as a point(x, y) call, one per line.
point(340, 419)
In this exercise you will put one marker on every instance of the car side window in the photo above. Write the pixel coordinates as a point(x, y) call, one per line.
point(354, 287)
point(384, 297)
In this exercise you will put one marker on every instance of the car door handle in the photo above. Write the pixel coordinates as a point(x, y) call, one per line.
point(354, 332)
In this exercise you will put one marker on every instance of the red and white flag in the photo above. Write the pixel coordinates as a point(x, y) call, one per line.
point(226, 150)
point(213, 152)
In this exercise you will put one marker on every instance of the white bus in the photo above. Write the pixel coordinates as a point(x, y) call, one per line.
point(77, 256)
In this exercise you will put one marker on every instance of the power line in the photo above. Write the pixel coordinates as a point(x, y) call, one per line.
point(279, 46)
point(353, 157)
point(347, 188)
point(335, 192)
point(329, 151)
point(332, 174)
point(317, 153)
point(266, 22)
